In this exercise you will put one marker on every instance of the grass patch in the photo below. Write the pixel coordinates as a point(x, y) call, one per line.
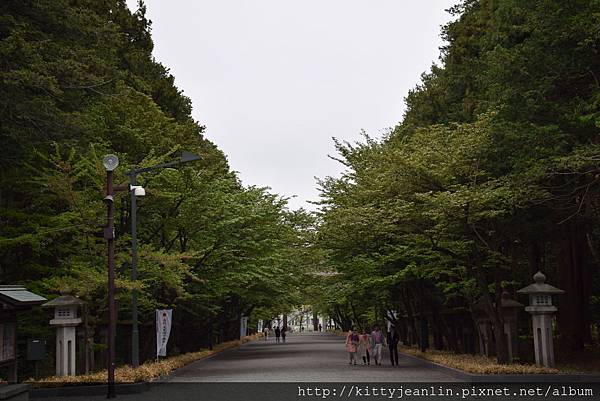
point(477, 364)
point(147, 372)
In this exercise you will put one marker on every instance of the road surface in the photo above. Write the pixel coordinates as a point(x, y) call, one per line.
point(262, 368)
point(306, 357)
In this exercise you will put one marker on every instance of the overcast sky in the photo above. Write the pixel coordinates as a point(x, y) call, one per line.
point(275, 80)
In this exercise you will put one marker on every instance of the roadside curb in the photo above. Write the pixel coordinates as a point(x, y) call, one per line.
point(13, 391)
point(458, 374)
point(504, 378)
point(94, 389)
point(120, 388)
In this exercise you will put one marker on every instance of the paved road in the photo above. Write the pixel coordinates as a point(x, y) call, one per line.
point(260, 369)
point(307, 357)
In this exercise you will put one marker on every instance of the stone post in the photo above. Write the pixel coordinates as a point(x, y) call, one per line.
point(66, 321)
point(541, 310)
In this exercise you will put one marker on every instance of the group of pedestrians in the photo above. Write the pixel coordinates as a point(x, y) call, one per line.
point(370, 346)
point(280, 333)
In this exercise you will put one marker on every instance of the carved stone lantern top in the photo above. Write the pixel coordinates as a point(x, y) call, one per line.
point(507, 302)
point(540, 294)
point(540, 287)
point(65, 309)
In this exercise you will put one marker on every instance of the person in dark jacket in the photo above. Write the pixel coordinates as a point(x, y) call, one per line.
point(277, 334)
point(283, 332)
point(393, 339)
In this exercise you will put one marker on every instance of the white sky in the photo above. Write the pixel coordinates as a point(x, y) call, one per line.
point(275, 80)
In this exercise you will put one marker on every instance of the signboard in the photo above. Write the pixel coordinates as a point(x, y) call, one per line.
point(163, 330)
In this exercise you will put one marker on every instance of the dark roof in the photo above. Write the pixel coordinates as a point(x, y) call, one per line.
point(17, 295)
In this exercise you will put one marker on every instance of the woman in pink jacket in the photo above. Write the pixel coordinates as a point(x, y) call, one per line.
point(352, 341)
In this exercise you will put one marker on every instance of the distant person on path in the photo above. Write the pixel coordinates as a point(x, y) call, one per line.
point(377, 342)
point(277, 334)
point(320, 327)
point(283, 331)
point(352, 341)
point(266, 332)
point(364, 347)
point(393, 339)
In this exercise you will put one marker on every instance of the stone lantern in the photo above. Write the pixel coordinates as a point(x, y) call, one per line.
point(541, 310)
point(66, 321)
point(484, 329)
point(510, 314)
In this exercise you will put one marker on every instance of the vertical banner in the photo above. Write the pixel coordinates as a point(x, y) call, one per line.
point(243, 326)
point(163, 330)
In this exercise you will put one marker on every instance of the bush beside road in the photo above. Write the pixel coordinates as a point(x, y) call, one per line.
point(146, 372)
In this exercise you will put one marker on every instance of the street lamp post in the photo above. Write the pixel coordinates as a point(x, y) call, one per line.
point(135, 332)
point(138, 191)
point(110, 163)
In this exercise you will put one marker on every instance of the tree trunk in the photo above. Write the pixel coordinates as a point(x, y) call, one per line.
point(493, 310)
point(412, 327)
point(574, 278)
point(423, 323)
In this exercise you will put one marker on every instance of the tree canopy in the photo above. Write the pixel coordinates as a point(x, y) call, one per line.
point(491, 176)
point(78, 81)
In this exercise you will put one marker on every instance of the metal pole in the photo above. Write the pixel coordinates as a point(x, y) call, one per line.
point(135, 333)
point(112, 313)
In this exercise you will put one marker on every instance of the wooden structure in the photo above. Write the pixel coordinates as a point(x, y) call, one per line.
point(13, 300)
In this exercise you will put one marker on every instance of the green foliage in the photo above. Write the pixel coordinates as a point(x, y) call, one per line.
point(78, 81)
point(496, 157)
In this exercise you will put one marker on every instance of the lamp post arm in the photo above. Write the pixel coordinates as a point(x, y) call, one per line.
point(163, 165)
point(157, 167)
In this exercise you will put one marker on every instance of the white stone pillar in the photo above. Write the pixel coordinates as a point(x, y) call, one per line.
point(65, 350)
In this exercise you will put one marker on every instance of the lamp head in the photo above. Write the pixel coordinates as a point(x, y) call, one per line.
point(138, 190)
point(189, 157)
point(110, 162)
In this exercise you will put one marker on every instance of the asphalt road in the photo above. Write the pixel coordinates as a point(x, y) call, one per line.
point(266, 371)
point(307, 357)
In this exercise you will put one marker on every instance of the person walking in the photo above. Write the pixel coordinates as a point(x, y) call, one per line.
point(393, 339)
point(364, 347)
point(266, 332)
point(283, 332)
point(277, 334)
point(352, 341)
point(320, 327)
point(377, 343)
